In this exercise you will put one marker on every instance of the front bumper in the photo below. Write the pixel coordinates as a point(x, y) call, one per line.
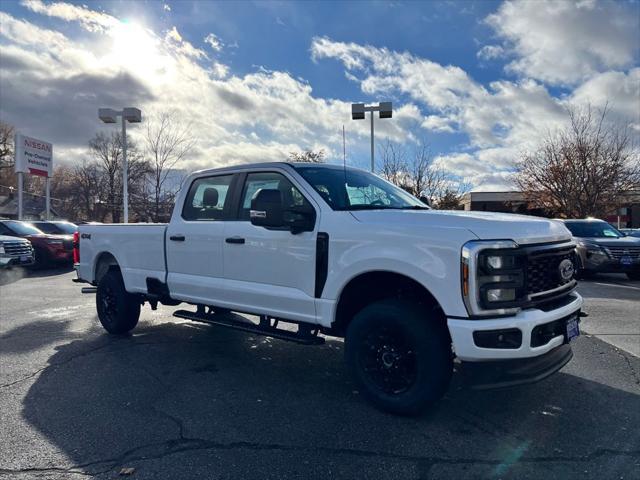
point(526, 321)
point(509, 373)
point(7, 261)
point(611, 266)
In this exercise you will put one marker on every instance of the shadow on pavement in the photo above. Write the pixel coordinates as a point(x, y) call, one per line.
point(11, 275)
point(190, 401)
point(33, 336)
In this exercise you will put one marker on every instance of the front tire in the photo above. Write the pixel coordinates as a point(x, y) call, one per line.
point(118, 310)
point(399, 356)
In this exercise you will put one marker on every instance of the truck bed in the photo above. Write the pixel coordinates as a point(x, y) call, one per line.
point(139, 249)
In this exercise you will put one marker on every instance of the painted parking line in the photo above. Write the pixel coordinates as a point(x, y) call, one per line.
point(616, 285)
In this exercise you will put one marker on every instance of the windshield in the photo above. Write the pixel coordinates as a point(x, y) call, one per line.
point(593, 230)
point(56, 228)
point(45, 227)
point(66, 227)
point(357, 190)
point(22, 228)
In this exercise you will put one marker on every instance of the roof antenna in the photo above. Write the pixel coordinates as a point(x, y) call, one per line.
point(344, 149)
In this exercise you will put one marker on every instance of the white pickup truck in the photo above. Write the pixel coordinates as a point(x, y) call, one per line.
point(339, 251)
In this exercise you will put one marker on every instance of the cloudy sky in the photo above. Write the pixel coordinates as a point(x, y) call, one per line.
point(480, 82)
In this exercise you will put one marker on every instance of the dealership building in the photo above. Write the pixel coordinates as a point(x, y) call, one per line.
point(516, 202)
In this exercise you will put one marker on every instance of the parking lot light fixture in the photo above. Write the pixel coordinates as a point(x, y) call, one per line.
point(132, 115)
point(358, 110)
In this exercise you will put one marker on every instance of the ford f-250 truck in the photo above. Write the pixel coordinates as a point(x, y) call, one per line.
point(339, 251)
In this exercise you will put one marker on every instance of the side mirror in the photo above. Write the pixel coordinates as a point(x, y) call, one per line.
point(267, 208)
point(301, 219)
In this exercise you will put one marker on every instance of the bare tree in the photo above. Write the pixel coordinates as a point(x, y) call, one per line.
point(308, 156)
point(413, 170)
point(450, 200)
point(7, 172)
point(582, 170)
point(426, 178)
point(168, 141)
point(106, 150)
point(6, 145)
point(393, 163)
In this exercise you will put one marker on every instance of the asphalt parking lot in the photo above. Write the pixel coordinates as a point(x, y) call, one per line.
point(178, 400)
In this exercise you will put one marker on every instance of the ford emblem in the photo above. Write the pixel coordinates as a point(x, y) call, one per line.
point(566, 270)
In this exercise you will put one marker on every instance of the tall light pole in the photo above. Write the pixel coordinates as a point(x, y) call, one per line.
point(129, 114)
point(357, 113)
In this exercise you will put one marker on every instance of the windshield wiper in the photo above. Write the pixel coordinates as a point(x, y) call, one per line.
point(386, 207)
point(370, 207)
point(414, 207)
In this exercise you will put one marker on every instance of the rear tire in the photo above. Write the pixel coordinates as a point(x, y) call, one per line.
point(399, 356)
point(633, 275)
point(118, 310)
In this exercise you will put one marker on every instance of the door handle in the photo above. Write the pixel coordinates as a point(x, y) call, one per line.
point(177, 238)
point(236, 240)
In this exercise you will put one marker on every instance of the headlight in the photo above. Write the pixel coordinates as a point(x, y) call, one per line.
point(500, 262)
point(593, 248)
point(501, 295)
point(493, 277)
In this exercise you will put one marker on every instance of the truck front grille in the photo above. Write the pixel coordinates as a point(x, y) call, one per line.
point(17, 249)
point(543, 271)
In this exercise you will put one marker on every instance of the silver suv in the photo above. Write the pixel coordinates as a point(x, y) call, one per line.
point(15, 251)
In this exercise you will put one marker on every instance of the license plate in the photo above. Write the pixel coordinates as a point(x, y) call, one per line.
point(573, 330)
point(626, 260)
point(24, 258)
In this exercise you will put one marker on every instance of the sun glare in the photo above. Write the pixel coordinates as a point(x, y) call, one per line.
point(134, 48)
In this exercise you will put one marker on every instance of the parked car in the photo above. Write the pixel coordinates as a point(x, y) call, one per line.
point(55, 227)
point(48, 249)
point(343, 252)
point(602, 248)
point(631, 232)
point(15, 252)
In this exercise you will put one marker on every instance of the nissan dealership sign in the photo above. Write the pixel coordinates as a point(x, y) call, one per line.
point(34, 156)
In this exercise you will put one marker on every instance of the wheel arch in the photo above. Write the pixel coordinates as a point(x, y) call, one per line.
point(375, 285)
point(104, 261)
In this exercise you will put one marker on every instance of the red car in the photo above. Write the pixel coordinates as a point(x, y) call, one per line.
point(48, 249)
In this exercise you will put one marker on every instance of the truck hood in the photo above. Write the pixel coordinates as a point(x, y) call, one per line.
point(522, 229)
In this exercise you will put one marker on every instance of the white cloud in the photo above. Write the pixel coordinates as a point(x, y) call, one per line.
point(500, 115)
point(90, 19)
point(166, 8)
point(620, 90)
point(214, 42)
point(259, 116)
point(183, 46)
point(490, 52)
point(437, 124)
point(501, 120)
point(565, 42)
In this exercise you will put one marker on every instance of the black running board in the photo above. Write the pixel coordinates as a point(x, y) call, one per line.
point(306, 334)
